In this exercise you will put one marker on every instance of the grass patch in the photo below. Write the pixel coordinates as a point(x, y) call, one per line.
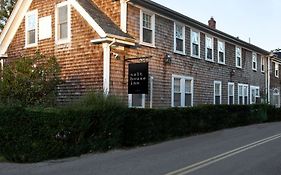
point(2, 159)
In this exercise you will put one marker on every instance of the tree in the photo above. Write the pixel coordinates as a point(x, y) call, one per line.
point(6, 8)
point(30, 81)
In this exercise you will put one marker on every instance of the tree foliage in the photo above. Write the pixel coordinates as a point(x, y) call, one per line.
point(30, 81)
point(6, 8)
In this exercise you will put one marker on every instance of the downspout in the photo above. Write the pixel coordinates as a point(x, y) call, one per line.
point(106, 66)
point(268, 80)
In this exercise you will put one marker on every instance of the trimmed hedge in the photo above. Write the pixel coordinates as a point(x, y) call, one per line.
point(32, 135)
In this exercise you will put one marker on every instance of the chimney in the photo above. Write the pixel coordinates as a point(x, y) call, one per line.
point(212, 23)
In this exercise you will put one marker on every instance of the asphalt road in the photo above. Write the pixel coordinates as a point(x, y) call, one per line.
point(252, 150)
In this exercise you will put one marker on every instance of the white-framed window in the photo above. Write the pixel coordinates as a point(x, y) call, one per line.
point(31, 28)
point(231, 93)
point(217, 92)
point(147, 28)
point(179, 38)
point(182, 91)
point(238, 57)
point(136, 100)
point(243, 91)
point(276, 97)
point(221, 52)
point(63, 23)
point(209, 50)
point(254, 61)
point(276, 70)
point(195, 43)
point(263, 64)
point(254, 94)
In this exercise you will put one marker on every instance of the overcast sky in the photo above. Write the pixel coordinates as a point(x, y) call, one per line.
point(259, 20)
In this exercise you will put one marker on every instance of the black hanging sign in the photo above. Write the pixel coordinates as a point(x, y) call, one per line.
point(138, 78)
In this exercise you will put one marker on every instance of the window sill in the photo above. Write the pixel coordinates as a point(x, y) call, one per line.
point(147, 44)
point(30, 45)
point(179, 52)
point(62, 41)
point(194, 56)
point(255, 70)
point(211, 61)
point(238, 67)
point(221, 63)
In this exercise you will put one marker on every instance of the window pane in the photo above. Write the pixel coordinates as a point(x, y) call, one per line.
point(179, 31)
point(217, 100)
point(240, 100)
point(147, 35)
point(238, 52)
point(221, 46)
point(31, 22)
point(231, 100)
point(177, 85)
point(136, 100)
point(31, 37)
point(195, 49)
point(177, 99)
point(221, 57)
point(245, 100)
point(63, 14)
point(245, 91)
point(240, 90)
point(179, 44)
point(230, 90)
point(217, 89)
point(188, 100)
point(195, 37)
point(238, 61)
point(187, 86)
point(209, 42)
point(147, 21)
point(63, 31)
point(209, 54)
point(253, 96)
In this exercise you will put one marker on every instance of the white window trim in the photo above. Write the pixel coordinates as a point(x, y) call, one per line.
point(254, 55)
point(220, 83)
point(142, 11)
point(223, 52)
point(228, 95)
point(68, 39)
point(262, 64)
point(236, 62)
point(199, 43)
point(130, 101)
point(255, 88)
point(33, 12)
point(182, 90)
point(276, 69)
point(175, 41)
point(243, 95)
point(206, 48)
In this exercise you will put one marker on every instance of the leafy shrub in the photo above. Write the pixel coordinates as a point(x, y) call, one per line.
point(30, 81)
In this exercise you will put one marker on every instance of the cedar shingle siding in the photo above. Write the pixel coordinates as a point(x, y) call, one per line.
point(82, 62)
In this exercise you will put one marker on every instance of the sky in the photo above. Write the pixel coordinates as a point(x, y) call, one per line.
point(259, 20)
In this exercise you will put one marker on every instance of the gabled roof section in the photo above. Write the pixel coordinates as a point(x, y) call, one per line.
point(101, 23)
point(158, 8)
point(102, 19)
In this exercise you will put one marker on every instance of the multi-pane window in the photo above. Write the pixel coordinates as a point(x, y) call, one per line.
point(254, 94)
point(147, 28)
point(195, 44)
point(262, 64)
point(242, 94)
point(230, 93)
point(254, 61)
point(217, 92)
point(182, 91)
point(137, 100)
point(179, 41)
point(31, 22)
point(63, 22)
point(276, 70)
point(238, 57)
point(221, 52)
point(209, 55)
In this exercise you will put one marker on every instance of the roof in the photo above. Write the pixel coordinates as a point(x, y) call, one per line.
point(278, 54)
point(148, 4)
point(101, 19)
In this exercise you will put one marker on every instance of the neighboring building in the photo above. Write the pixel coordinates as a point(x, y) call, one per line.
point(190, 63)
point(275, 80)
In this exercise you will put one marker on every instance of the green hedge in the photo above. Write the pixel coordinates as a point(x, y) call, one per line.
point(32, 135)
